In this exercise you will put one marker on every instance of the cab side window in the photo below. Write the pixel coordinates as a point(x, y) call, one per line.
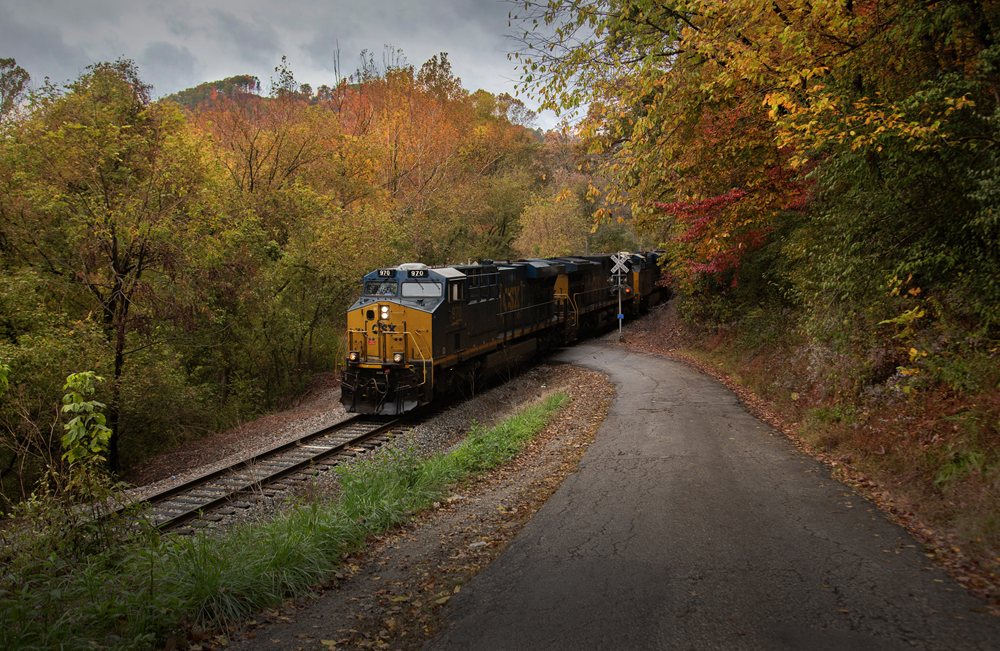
point(456, 291)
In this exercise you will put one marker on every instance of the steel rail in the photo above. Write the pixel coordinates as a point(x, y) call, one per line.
point(215, 493)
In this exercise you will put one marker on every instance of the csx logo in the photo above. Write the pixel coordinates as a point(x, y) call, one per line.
point(382, 327)
point(512, 298)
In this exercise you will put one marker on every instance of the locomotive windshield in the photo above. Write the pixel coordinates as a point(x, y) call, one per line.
point(421, 289)
point(380, 288)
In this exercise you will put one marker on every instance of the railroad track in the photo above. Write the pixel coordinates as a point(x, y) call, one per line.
point(209, 498)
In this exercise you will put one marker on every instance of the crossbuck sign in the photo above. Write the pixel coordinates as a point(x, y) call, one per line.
point(620, 260)
point(618, 278)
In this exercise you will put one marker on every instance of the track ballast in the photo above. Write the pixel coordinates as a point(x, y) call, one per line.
point(194, 504)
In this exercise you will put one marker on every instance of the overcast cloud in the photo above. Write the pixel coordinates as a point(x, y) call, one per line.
point(178, 44)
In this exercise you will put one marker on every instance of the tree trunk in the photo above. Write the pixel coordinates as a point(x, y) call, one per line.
point(114, 408)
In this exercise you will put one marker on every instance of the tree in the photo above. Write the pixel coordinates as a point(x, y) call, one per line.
point(435, 148)
point(285, 85)
point(656, 132)
point(883, 110)
point(192, 98)
point(13, 79)
point(266, 144)
point(306, 179)
point(109, 194)
point(436, 80)
point(553, 225)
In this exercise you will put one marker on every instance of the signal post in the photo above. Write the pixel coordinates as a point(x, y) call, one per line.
point(619, 283)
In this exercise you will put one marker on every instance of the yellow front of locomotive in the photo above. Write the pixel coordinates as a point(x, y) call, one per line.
point(388, 369)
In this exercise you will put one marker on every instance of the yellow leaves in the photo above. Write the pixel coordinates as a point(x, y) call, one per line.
point(907, 318)
point(958, 103)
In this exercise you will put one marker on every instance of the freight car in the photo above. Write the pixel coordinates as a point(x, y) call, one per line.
point(418, 332)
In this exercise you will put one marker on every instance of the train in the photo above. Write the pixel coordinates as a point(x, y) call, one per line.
point(420, 332)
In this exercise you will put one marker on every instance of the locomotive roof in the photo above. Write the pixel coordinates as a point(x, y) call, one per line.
point(449, 272)
point(530, 268)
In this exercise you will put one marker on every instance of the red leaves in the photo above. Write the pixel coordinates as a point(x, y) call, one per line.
point(719, 237)
point(700, 215)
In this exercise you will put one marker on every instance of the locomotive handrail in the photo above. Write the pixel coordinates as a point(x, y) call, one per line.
point(576, 311)
point(423, 360)
point(597, 303)
point(512, 313)
point(527, 307)
point(362, 350)
point(559, 300)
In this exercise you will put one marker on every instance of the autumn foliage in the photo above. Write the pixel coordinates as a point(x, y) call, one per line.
point(199, 252)
point(862, 131)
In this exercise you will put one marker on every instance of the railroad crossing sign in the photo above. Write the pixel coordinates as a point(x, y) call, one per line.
point(618, 278)
point(620, 260)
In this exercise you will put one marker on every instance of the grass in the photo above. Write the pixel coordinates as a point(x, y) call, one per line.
point(137, 595)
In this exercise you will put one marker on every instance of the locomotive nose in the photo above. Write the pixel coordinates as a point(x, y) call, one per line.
point(385, 341)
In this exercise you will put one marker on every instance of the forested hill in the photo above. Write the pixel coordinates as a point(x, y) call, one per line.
point(192, 98)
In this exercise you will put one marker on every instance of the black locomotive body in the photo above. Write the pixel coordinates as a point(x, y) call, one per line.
point(418, 331)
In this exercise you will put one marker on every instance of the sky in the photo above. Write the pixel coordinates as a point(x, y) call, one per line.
point(179, 44)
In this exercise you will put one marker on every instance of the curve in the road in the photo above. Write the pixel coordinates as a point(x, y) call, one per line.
point(693, 525)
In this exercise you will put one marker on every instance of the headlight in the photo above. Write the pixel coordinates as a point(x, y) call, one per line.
point(353, 356)
point(397, 357)
point(385, 311)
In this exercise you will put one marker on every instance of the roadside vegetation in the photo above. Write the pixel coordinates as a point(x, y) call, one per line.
point(72, 585)
point(913, 422)
point(824, 179)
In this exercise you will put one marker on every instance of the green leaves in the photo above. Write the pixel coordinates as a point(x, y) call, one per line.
point(86, 438)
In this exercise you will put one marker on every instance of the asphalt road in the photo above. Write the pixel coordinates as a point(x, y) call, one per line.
point(692, 525)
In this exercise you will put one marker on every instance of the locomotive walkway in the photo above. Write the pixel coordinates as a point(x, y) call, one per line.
point(692, 525)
